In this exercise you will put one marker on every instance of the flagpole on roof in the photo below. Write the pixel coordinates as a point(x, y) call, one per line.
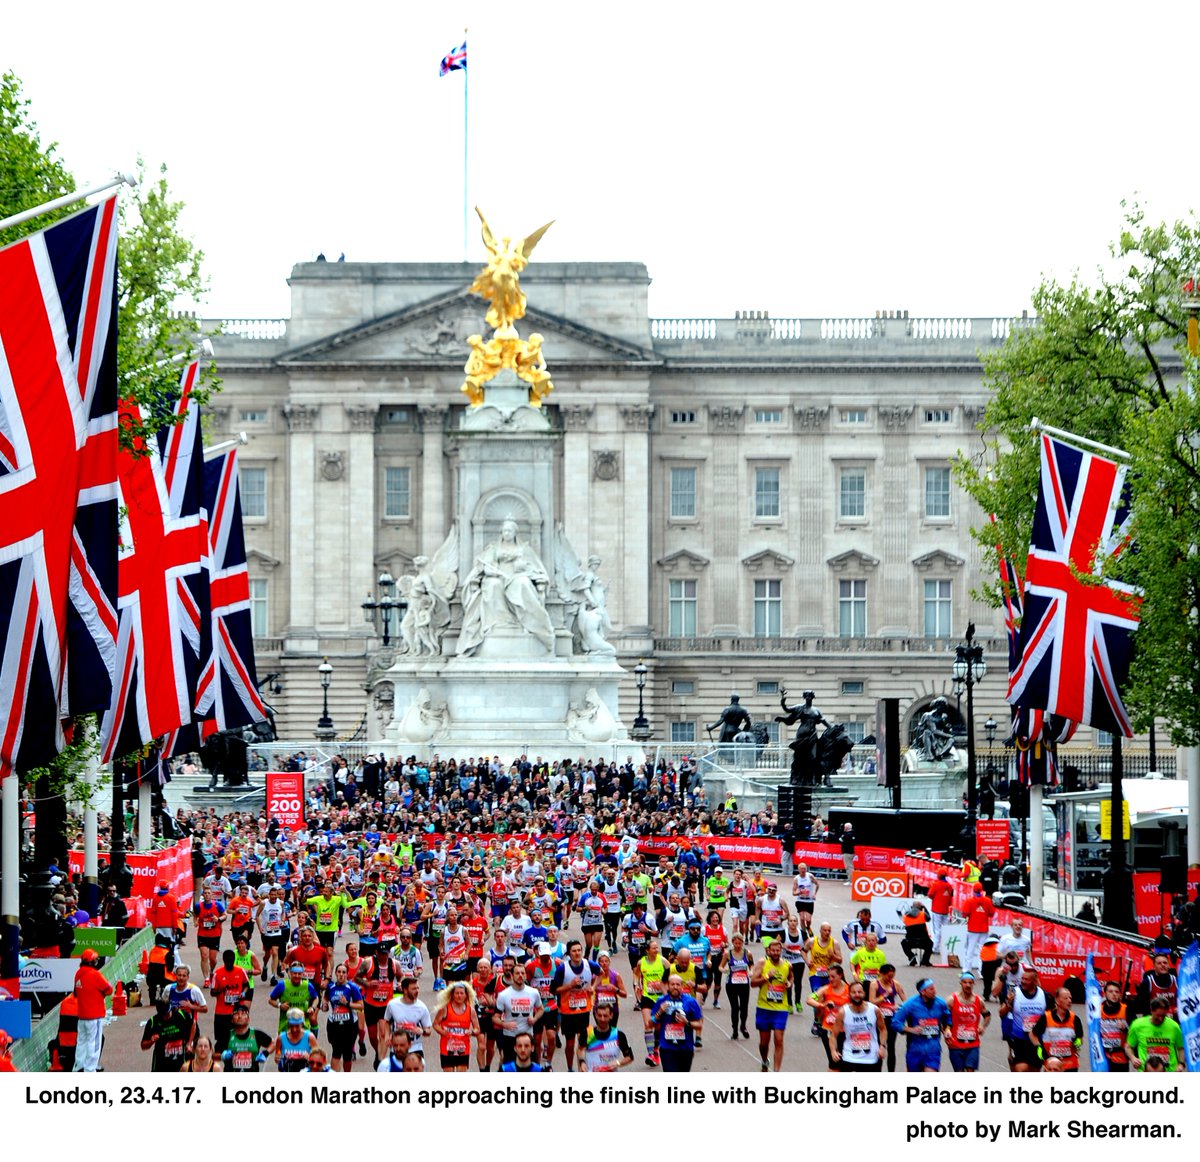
point(118, 179)
point(1036, 425)
point(466, 139)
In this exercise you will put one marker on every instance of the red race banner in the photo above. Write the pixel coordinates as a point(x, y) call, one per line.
point(992, 839)
point(733, 848)
point(822, 856)
point(173, 864)
point(872, 859)
point(1147, 903)
point(285, 798)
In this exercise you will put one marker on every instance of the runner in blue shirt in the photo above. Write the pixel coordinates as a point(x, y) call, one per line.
point(676, 1020)
point(343, 1001)
point(921, 1019)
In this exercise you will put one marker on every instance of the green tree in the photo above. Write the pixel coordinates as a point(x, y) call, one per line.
point(158, 269)
point(1108, 361)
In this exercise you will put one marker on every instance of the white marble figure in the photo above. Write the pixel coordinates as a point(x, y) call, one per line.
point(591, 722)
point(422, 721)
point(429, 589)
point(584, 599)
point(505, 588)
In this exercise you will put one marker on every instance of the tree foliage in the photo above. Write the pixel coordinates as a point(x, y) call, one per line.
point(158, 269)
point(1108, 361)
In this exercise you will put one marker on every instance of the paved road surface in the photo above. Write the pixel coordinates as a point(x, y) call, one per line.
point(719, 1054)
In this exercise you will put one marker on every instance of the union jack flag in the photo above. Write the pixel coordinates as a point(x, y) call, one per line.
point(456, 58)
point(162, 639)
point(1034, 733)
point(227, 695)
point(1076, 631)
point(58, 491)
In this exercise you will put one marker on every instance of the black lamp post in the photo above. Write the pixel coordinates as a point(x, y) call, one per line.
point(384, 604)
point(987, 791)
point(970, 668)
point(641, 727)
point(325, 730)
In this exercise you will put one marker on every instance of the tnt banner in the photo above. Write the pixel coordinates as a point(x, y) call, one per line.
point(285, 798)
point(865, 885)
point(992, 839)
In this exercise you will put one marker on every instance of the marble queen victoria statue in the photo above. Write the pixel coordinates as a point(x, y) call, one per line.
point(505, 588)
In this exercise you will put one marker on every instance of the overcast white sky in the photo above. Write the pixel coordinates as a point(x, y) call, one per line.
point(804, 159)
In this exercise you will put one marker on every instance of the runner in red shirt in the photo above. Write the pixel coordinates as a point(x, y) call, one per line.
point(311, 956)
point(230, 984)
point(968, 1019)
point(477, 932)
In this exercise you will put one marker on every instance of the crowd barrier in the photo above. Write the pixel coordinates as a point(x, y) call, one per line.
point(173, 864)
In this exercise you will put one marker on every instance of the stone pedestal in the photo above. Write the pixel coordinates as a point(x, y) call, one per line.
point(460, 707)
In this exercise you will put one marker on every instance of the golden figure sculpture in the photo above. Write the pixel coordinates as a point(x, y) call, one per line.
point(499, 283)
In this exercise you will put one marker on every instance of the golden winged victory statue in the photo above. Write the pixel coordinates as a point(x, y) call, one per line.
point(500, 283)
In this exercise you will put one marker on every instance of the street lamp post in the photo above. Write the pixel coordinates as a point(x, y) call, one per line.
point(641, 727)
point(987, 793)
point(970, 668)
point(385, 604)
point(325, 731)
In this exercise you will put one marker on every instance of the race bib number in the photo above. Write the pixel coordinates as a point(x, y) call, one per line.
point(324, 917)
point(859, 1042)
point(242, 1060)
point(674, 1032)
point(230, 998)
point(577, 1001)
point(775, 994)
point(456, 1045)
point(739, 976)
point(654, 987)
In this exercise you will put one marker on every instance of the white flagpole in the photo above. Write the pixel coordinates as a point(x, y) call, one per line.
point(1037, 855)
point(119, 179)
point(225, 445)
point(1036, 425)
point(466, 139)
point(10, 900)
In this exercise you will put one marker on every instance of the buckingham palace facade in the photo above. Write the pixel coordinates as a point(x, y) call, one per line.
point(771, 499)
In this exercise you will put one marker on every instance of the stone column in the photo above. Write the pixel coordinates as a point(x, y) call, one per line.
point(433, 477)
point(577, 475)
point(891, 608)
point(361, 517)
point(302, 518)
point(635, 556)
point(807, 517)
point(728, 518)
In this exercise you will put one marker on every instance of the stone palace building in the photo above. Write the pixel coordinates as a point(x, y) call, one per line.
point(771, 499)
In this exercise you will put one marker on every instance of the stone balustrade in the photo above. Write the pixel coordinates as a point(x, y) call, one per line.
point(817, 645)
